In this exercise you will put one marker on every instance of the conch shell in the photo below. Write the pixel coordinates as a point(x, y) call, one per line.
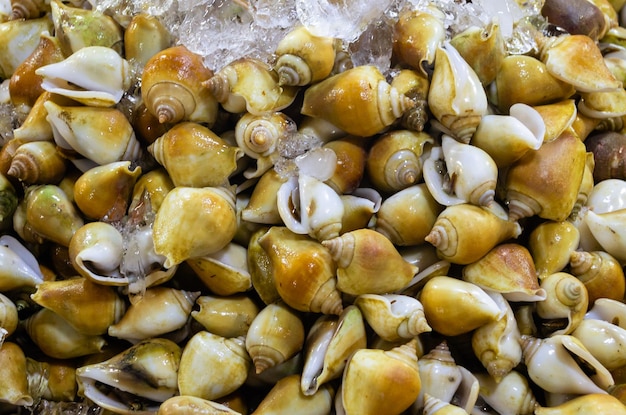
point(94, 75)
point(362, 256)
point(603, 340)
point(551, 245)
point(511, 395)
point(226, 316)
point(144, 37)
point(358, 101)
point(37, 162)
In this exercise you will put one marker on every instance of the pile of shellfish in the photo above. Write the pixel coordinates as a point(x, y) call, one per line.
point(303, 235)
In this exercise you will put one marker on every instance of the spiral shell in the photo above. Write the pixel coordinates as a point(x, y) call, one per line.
point(551, 245)
point(358, 101)
point(259, 135)
point(172, 89)
point(362, 256)
point(37, 162)
point(599, 403)
point(567, 299)
point(602, 274)
point(439, 373)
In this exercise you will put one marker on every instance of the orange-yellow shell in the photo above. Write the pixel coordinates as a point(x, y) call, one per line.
point(37, 162)
point(171, 87)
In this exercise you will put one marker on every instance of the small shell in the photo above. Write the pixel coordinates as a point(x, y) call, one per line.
point(607, 228)
point(407, 216)
point(111, 138)
point(144, 37)
point(606, 147)
point(456, 97)
point(90, 308)
point(436, 406)
point(95, 76)
point(440, 375)
point(28, 9)
point(576, 17)
point(454, 307)
point(370, 369)
point(362, 256)
point(303, 58)
point(506, 138)
point(155, 184)
point(497, 343)
point(14, 381)
point(36, 127)
point(551, 195)
point(195, 156)
point(172, 87)
point(8, 317)
point(249, 84)
point(361, 92)
point(226, 316)
point(145, 371)
point(37, 162)
point(351, 157)
point(552, 367)
point(191, 405)
point(328, 345)
point(464, 233)
point(359, 208)
point(19, 39)
point(551, 245)
point(483, 48)
point(508, 269)
point(260, 267)
point(224, 272)
point(601, 273)
point(262, 206)
point(458, 182)
point(306, 281)
point(394, 160)
point(566, 299)
point(557, 117)
point(227, 362)
point(193, 222)
point(104, 191)
point(58, 339)
point(275, 335)
point(259, 135)
point(512, 395)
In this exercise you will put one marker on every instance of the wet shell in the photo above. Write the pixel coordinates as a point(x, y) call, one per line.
point(546, 182)
point(454, 307)
point(20, 38)
point(193, 222)
point(440, 375)
point(262, 206)
point(195, 156)
point(303, 58)
point(161, 310)
point(275, 335)
point(465, 233)
point(358, 101)
point(551, 245)
point(567, 298)
point(37, 162)
point(224, 272)
point(394, 160)
point(14, 381)
point(259, 135)
point(510, 396)
point(144, 37)
point(28, 9)
point(36, 127)
point(601, 273)
point(393, 374)
point(286, 397)
point(89, 307)
point(191, 405)
point(212, 366)
point(362, 256)
point(226, 316)
point(8, 316)
point(597, 403)
point(559, 116)
point(483, 48)
point(172, 89)
point(604, 341)
point(392, 316)
point(19, 267)
point(306, 281)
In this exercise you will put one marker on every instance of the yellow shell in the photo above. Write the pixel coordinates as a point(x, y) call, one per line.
point(28, 9)
point(144, 37)
point(286, 397)
point(19, 39)
point(596, 403)
point(303, 270)
point(192, 405)
point(224, 272)
point(358, 101)
point(551, 245)
point(156, 184)
point(226, 316)
point(601, 273)
point(89, 307)
point(37, 162)
point(303, 58)
point(546, 182)
point(262, 207)
point(483, 49)
point(193, 222)
point(14, 380)
point(413, 84)
point(464, 233)
point(8, 316)
point(417, 35)
point(567, 298)
point(104, 191)
point(195, 156)
point(171, 87)
point(362, 256)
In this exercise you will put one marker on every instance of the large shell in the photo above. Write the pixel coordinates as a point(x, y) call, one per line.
point(393, 316)
point(95, 76)
point(328, 345)
point(454, 307)
point(19, 39)
point(304, 271)
point(212, 366)
point(146, 370)
point(508, 269)
point(393, 373)
point(172, 87)
point(457, 182)
point(483, 48)
point(160, 311)
point(303, 58)
point(551, 245)
point(102, 135)
point(195, 156)
point(358, 101)
point(552, 193)
point(456, 96)
point(275, 335)
point(601, 273)
point(511, 395)
point(464, 233)
point(90, 308)
point(193, 222)
point(603, 339)
point(362, 256)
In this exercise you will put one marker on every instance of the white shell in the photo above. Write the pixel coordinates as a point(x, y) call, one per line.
point(472, 174)
point(511, 396)
point(605, 341)
point(607, 196)
point(93, 75)
point(609, 310)
point(318, 207)
point(441, 376)
point(551, 366)
point(609, 229)
point(18, 266)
